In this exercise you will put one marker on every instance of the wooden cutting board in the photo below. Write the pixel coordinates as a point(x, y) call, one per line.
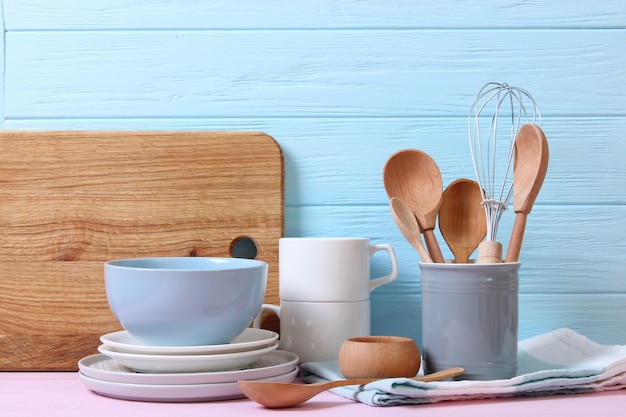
point(71, 200)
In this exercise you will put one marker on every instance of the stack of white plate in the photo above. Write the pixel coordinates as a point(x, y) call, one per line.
point(130, 370)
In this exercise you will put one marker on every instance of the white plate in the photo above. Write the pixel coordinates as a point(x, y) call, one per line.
point(249, 339)
point(186, 363)
point(271, 364)
point(173, 393)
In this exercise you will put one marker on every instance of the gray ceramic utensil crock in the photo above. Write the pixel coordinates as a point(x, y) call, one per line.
point(470, 318)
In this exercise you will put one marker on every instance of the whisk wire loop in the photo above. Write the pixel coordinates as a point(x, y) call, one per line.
point(487, 152)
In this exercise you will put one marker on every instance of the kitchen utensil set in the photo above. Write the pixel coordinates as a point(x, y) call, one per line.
point(469, 211)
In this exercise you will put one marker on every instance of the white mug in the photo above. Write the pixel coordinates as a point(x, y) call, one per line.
point(330, 269)
point(315, 331)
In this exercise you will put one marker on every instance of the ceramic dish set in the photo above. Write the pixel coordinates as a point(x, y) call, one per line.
point(186, 334)
point(128, 369)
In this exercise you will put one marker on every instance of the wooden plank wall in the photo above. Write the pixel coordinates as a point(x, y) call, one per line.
point(342, 85)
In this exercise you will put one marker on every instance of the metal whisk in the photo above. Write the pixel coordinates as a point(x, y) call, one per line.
point(492, 132)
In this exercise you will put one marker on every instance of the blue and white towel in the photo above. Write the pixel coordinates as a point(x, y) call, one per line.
point(561, 361)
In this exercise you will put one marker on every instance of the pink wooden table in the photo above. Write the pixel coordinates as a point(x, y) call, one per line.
point(37, 394)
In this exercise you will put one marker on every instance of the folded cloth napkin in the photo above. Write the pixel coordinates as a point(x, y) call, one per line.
point(561, 361)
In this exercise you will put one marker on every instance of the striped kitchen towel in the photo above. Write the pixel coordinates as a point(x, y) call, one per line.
point(561, 361)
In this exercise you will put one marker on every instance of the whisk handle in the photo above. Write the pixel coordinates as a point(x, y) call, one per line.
point(517, 235)
point(489, 252)
point(433, 246)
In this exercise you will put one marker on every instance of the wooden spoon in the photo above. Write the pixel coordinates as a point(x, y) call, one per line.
point(529, 171)
point(462, 220)
point(407, 223)
point(283, 395)
point(414, 177)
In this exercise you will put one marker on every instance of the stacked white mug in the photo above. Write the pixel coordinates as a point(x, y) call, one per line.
point(324, 289)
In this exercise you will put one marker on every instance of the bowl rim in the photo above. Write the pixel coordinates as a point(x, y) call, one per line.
point(379, 339)
point(234, 264)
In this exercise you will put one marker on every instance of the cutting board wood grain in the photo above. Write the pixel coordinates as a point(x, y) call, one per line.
point(71, 200)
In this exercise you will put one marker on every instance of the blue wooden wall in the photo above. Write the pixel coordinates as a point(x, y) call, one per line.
point(342, 85)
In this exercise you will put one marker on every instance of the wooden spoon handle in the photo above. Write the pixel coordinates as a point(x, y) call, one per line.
point(517, 235)
point(421, 250)
point(435, 376)
point(433, 247)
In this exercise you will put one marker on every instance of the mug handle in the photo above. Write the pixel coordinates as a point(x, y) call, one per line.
point(265, 307)
point(375, 283)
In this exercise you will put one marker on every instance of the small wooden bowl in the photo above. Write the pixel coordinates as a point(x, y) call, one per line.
point(379, 357)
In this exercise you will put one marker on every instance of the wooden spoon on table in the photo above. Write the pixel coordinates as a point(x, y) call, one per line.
point(414, 177)
point(283, 395)
point(529, 170)
point(462, 219)
point(407, 223)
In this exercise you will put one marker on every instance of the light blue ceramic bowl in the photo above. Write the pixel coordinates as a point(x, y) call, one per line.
point(185, 301)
